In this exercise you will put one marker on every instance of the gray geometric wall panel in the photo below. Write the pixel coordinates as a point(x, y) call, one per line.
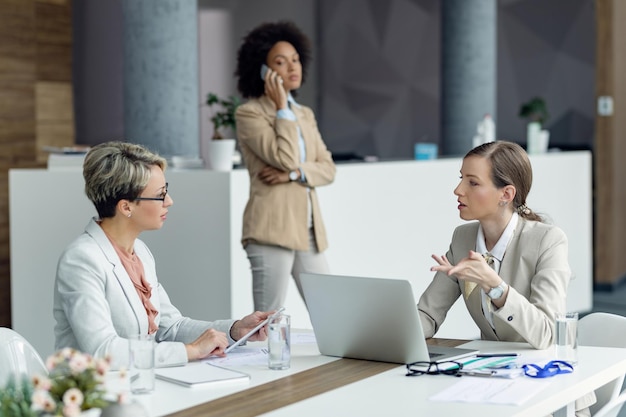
point(379, 72)
point(379, 75)
point(547, 49)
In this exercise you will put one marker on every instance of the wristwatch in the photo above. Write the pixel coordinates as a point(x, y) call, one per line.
point(293, 175)
point(497, 292)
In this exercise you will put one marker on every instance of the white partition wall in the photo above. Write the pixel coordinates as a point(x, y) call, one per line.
point(383, 220)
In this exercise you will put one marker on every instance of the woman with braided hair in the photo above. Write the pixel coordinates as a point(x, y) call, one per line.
point(511, 269)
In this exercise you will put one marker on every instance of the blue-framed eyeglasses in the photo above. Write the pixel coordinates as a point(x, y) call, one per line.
point(161, 198)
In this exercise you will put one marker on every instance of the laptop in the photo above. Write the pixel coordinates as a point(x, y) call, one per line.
point(369, 318)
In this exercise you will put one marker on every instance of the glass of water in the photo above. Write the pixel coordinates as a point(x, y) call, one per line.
point(141, 364)
point(566, 341)
point(279, 342)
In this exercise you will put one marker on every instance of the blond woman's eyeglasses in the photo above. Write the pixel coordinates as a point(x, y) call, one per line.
point(161, 198)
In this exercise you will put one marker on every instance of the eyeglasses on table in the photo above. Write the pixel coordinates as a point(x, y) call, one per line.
point(434, 368)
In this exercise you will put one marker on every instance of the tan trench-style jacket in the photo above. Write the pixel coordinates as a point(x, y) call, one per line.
point(278, 214)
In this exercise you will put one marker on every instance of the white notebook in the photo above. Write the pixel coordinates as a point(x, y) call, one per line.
point(201, 375)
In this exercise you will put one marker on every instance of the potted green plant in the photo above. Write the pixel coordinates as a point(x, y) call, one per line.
point(219, 151)
point(224, 118)
point(535, 111)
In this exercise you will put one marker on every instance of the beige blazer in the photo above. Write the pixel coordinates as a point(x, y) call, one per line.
point(96, 306)
point(536, 268)
point(278, 214)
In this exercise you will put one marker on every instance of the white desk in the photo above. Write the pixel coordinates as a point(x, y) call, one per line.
point(392, 391)
point(169, 398)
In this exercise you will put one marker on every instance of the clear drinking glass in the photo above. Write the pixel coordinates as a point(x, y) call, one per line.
point(279, 342)
point(566, 342)
point(141, 364)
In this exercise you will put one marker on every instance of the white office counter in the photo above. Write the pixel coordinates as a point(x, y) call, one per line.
point(383, 219)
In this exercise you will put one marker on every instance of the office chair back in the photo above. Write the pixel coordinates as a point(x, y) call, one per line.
point(612, 408)
point(18, 357)
point(605, 330)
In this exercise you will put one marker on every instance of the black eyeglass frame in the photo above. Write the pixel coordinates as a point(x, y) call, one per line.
point(452, 371)
point(161, 199)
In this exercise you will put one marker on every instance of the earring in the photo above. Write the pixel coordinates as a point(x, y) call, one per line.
point(129, 215)
point(502, 203)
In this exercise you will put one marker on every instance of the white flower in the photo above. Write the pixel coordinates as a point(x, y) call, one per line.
point(71, 410)
point(65, 353)
point(42, 382)
point(73, 396)
point(51, 362)
point(102, 367)
point(41, 400)
point(123, 398)
point(78, 363)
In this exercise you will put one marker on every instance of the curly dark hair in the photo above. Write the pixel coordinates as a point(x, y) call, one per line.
point(255, 47)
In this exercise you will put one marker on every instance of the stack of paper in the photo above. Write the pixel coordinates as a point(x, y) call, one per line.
point(492, 390)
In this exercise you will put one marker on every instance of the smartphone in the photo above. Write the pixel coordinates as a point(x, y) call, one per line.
point(264, 69)
point(253, 331)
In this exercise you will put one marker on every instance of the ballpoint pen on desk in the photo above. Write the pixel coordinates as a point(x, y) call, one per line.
point(496, 355)
point(491, 366)
point(493, 373)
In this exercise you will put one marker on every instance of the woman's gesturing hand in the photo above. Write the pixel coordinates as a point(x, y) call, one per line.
point(473, 268)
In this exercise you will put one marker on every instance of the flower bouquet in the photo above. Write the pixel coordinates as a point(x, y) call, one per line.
point(74, 384)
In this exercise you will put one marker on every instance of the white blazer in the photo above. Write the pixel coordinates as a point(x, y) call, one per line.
point(96, 306)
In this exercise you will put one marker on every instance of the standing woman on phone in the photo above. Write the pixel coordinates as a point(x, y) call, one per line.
point(286, 158)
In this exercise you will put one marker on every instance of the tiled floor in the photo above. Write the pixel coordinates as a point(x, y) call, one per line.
point(611, 302)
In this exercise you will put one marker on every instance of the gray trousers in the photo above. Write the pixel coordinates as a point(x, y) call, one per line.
point(273, 265)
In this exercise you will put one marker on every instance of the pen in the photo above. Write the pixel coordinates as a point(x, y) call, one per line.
point(496, 355)
point(487, 374)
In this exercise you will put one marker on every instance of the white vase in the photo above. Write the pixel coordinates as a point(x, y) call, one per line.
point(125, 410)
point(538, 139)
point(92, 412)
point(219, 154)
point(533, 133)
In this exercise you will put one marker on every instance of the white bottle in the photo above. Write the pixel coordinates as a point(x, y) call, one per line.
point(489, 129)
point(485, 131)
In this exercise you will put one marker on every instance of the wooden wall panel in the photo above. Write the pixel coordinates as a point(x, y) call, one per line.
point(17, 49)
point(54, 42)
point(35, 63)
point(17, 122)
point(618, 175)
point(610, 148)
point(55, 116)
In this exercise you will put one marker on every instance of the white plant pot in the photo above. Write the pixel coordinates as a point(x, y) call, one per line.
point(219, 154)
point(537, 139)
